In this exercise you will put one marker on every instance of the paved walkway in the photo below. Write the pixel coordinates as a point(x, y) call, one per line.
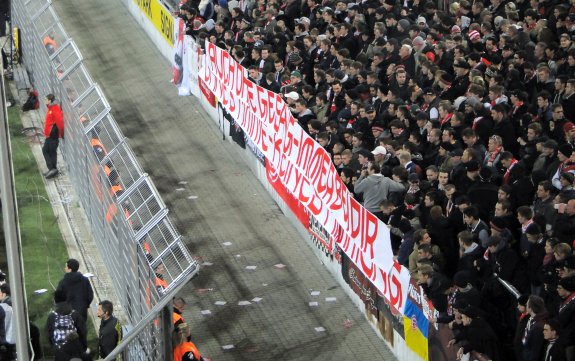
point(175, 141)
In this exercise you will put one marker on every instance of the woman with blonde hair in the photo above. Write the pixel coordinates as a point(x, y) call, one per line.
point(184, 349)
point(478, 80)
point(493, 153)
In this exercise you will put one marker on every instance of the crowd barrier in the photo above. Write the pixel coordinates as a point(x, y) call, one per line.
point(144, 253)
point(299, 175)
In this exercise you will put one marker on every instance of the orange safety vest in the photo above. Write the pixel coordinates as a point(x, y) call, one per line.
point(160, 282)
point(184, 348)
point(49, 42)
point(117, 190)
point(107, 170)
point(98, 148)
point(111, 213)
point(113, 210)
point(177, 318)
point(147, 251)
point(148, 300)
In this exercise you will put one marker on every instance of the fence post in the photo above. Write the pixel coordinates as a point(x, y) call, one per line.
point(167, 326)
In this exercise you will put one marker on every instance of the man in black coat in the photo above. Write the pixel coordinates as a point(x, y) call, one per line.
point(553, 350)
point(566, 315)
point(110, 333)
point(483, 194)
point(565, 222)
point(475, 335)
point(568, 100)
point(270, 83)
point(504, 263)
point(471, 253)
point(504, 128)
point(461, 81)
point(435, 286)
point(77, 288)
point(535, 257)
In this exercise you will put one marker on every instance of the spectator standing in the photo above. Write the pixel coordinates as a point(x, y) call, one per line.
point(475, 67)
point(435, 286)
point(66, 330)
point(375, 187)
point(553, 350)
point(522, 320)
point(565, 222)
point(475, 335)
point(6, 305)
point(184, 349)
point(2, 328)
point(566, 315)
point(543, 207)
point(532, 341)
point(53, 131)
point(535, 257)
point(476, 225)
point(469, 252)
point(77, 288)
point(110, 334)
point(179, 305)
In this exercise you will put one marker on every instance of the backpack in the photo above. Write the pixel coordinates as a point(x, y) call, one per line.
point(63, 326)
point(32, 102)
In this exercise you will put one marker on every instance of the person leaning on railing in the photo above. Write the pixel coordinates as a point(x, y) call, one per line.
point(184, 349)
point(53, 131)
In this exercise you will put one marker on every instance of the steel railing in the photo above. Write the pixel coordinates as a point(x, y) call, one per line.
point(128, 219)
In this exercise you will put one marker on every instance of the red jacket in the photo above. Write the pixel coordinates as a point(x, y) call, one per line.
point(54, 116)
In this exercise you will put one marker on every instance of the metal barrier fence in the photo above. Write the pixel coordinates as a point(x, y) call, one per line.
point(144, 253)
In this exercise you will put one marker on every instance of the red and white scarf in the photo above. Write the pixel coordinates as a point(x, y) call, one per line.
point(508, 172)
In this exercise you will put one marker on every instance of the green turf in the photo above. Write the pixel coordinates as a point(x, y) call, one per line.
point(44, 251)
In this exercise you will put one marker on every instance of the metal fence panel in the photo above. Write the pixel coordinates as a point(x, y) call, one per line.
point(144, 252)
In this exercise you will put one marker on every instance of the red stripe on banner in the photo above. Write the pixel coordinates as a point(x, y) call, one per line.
point(293, 204)
point(210, 97)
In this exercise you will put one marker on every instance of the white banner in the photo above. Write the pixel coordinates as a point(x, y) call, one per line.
point(306, 170)
point(193, 64)
point(179, 53)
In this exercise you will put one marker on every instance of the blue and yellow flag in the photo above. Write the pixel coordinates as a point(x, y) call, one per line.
point(416, 327)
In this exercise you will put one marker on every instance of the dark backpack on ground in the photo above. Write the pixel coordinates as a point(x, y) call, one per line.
point(32, 102)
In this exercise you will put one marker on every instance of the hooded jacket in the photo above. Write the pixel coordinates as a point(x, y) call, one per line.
point(78, 289)
point(376, 188)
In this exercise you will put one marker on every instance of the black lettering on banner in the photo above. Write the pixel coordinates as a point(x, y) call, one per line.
point(167, 24)
point(146, 6)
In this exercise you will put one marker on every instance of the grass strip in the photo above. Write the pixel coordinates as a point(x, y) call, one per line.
point(44, 251)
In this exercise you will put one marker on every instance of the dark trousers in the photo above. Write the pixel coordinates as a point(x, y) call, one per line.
point(3, 19)
point(49, 150)
point(570, 353)
point(8, 352)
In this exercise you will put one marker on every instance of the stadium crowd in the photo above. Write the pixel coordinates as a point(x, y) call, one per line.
point(455, 124)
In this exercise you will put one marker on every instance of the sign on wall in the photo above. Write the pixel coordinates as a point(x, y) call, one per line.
point(159, 16)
